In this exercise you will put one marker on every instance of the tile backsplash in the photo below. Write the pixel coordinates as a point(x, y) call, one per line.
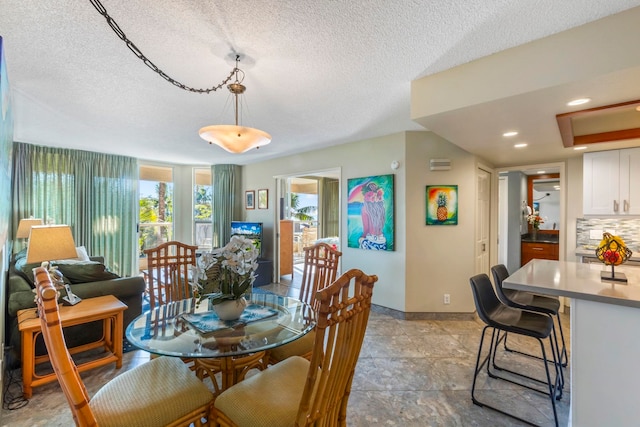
point(628, 229)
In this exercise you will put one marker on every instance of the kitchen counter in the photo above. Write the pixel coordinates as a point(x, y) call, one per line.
point(590, 252)
point(540, 238)
point(605, 319)
point(577, 280)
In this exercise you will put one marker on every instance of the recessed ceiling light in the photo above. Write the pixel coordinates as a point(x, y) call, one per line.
point(540, 172)
point(578, 101)
point(521, 145)
point(580, 147)
point(510, 133)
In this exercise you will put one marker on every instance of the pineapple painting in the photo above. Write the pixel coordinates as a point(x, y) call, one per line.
point(442, 205)
point(441, 212)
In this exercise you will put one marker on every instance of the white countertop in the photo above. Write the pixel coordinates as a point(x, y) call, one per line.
point(577, 280)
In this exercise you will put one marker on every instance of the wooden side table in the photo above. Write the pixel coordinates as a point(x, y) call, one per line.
point(107, 308)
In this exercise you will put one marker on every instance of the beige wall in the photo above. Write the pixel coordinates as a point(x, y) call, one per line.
point(427, 261)
point(357, 159)
point(440, 259)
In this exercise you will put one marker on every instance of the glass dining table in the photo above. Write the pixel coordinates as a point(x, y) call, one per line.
point(191, 330)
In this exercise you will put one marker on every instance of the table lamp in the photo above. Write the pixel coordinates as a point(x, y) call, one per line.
point(49, 243)
point(24, 227)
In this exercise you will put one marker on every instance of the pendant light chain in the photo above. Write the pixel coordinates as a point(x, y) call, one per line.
point(116, 29)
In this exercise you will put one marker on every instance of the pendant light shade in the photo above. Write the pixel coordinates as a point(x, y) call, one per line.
point(235, 138)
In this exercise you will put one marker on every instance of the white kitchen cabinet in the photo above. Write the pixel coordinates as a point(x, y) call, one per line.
point(611, 182)
point(630, 181)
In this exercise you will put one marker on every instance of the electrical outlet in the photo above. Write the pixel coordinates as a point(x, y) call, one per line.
point(447, 299)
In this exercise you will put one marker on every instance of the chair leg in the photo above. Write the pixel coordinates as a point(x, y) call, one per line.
point(495, 339)
point(554, 389)
point(478, 368)
point(564, 358)
point(557, 346)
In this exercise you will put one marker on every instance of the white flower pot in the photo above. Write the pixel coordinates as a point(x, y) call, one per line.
point(230, 310)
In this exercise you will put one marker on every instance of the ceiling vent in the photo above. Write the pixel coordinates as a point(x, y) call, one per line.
point(440, 164)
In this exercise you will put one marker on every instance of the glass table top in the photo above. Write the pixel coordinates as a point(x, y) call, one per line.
point(188, 329)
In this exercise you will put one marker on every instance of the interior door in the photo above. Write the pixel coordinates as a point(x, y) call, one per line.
point(483, 215)
point(503, 214)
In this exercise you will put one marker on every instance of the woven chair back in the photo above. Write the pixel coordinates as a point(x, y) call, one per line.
point(321, 263)
point(168, 272)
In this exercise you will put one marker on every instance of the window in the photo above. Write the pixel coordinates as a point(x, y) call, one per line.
point(202, 208)
point(156, 207)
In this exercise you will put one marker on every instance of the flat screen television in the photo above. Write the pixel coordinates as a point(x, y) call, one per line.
point(251, 230)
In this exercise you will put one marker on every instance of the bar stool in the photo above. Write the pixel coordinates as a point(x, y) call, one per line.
point(530, 301)
point(500, 317)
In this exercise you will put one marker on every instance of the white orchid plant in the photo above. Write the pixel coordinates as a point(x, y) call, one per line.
point(226, 273)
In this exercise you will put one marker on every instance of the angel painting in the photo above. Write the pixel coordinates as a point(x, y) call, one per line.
point(370, 213)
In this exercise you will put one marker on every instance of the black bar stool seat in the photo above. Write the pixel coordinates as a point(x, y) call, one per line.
point(530, 301)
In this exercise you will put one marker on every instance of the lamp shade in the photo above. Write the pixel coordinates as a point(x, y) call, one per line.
point(25, 227)
point(235, 139)
point(50, 242)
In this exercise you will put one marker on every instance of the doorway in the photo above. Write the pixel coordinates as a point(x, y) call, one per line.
point(516, 198)
point(482, 225)
point(311, 202)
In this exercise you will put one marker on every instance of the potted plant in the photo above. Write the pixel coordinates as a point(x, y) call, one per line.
point(224, 275)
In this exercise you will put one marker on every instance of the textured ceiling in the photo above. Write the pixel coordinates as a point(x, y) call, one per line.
point(318, 73)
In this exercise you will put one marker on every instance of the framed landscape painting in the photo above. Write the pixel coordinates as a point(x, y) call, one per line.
point(442, 204)
point(263, 199)
point(249, 199)
point(370, 217)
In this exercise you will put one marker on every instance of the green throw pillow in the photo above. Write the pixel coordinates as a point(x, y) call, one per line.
point(85, 271)
point(25, 270)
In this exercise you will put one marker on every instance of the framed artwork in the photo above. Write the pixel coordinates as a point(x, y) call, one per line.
point(263, 199)
point(442, 204)
point(249, 199)
point(370, 213)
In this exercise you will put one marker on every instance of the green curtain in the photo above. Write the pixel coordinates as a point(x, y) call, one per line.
point(330, 206)
point(94, 193)
point(226, 187)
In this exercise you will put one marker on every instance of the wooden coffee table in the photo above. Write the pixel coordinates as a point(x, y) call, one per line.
point(107, 308)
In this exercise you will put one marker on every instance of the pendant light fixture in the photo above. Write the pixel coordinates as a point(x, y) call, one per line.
point(235, 138)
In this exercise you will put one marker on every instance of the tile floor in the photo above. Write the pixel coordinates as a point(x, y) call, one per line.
point(410, 373)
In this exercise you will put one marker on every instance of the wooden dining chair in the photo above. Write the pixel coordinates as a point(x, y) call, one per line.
point(301, 392)
point(320, 270)
point(167, 272)
point(161, 392)
point(309, 236)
